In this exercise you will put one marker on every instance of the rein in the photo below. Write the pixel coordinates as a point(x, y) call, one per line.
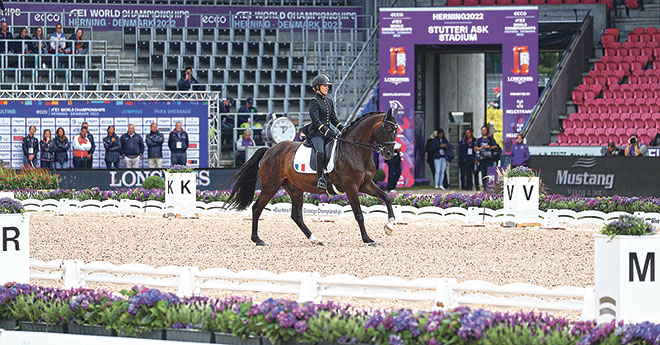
point(374, 147)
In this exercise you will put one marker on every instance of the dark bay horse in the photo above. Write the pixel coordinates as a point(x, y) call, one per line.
point(353, 173)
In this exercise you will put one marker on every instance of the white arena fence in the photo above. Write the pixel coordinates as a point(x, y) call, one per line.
point(438, 292)
point(472, 215)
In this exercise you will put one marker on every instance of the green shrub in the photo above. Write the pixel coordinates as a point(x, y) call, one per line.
point(379, 176)
point(153, 182)
point(628, 225)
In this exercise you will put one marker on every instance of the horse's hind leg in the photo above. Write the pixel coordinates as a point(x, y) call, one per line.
point(297, 213)
point(370, 188)
point(257, 208)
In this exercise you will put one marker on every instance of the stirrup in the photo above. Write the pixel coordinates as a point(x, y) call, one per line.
point(321, 184)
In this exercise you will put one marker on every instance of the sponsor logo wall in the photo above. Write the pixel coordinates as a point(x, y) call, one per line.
point(516, 30)
point(17, 116)
point(598, 176)
point(106, 17)
point(207, 179)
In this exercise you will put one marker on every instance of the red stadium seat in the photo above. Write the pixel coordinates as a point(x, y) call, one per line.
point(613, 32)
point(648, 121)
point(567, 124)
point(504, 2)
point(607, 121)
point(645, 38)
point(633, 37)
point(628, 44)
point(562, 139)
point(537, 2)
point(578, 97)
point(521, 2)
point(631, 131)
point(586, 120)
point(555, 2)
point(571, 2)
point(634, 52)
point(454, 2)
point(616, 120)
point(470, 2)
point(627, 121)
point(651, 30)
point(638, 31)
point(607, 40)
point(609, 3)
point(596, 121)
point(637, 119)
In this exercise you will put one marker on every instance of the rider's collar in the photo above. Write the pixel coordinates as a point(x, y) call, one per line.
point(320, 94)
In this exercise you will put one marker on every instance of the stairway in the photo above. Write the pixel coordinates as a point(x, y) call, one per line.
point(125, 62)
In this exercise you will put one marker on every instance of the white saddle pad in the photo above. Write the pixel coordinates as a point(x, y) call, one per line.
point(301, 160)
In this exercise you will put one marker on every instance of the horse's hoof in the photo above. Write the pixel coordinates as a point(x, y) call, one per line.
point(389, 228)
point(372, 244)
point(315, 241)
point(260, 243)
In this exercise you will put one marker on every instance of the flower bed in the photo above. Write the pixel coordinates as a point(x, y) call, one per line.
point(280, 321)
point(10, 206)
point(485, 200)
point(11, 179)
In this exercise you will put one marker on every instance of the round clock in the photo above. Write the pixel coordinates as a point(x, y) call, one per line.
point(280, 129)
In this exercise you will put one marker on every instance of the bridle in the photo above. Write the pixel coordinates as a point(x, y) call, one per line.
point(379, 145)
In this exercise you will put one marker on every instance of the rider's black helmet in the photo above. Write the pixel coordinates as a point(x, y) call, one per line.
point(319, 80)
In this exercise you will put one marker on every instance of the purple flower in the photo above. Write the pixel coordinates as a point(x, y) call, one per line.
point(300, 326)
point(395, 340)
point(286, 320)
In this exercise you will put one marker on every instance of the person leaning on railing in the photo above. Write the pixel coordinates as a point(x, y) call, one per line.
point(5, 34)
point(77, 45)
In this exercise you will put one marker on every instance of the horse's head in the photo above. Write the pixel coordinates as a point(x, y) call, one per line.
point(387, 134)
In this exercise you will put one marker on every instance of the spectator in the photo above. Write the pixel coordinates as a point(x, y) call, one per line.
point(178, 144)
point(48, 150)
point(132, 148)
point(39, 46)
point(485, 147)
point(441, 152)
point(77, 45)
point(5, 34)
point(248, 107)
point(394, 168)
point(112, 148)
point(82, 145)
point(466, 160)
point(495, 103)
point(429, 154)
point(241, 146)
point(635, 148)
point(61, 149)
point(30, 147)
point(186, 81)
point(225, 106)
point(519, 153)
point(90, 137)
point(300, 136)
point(58, 40)
point(227, 121)
point(155, 141)
point(612, 150)
point(24, 44)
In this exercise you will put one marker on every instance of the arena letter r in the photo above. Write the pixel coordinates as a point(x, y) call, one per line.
point(6, 239)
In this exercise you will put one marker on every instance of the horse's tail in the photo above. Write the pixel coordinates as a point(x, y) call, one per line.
point(245, 182)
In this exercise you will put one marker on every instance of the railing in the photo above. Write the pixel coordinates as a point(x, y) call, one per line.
point(438, 292)
point(552, 101)
point(19, 46)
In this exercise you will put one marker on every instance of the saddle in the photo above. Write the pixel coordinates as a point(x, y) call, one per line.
point(312, 158)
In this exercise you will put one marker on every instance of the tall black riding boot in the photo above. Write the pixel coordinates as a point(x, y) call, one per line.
point(320, 166)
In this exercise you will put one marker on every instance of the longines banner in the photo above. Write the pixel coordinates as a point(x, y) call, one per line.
point(515, 29)
point(106, 17)
point(207, 179)
point(598, 176)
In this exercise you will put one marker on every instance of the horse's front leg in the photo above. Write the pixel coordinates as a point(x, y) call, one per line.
point(370, 188)
point(354, 200)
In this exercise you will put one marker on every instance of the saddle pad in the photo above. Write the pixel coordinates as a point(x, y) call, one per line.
point(303, 154)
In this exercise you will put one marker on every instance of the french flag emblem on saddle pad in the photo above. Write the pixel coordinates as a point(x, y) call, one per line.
point(303, 154)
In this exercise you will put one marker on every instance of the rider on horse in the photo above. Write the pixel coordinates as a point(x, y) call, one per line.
point(322, 113)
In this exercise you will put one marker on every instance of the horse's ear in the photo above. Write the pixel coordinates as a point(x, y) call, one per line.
point(394, 112)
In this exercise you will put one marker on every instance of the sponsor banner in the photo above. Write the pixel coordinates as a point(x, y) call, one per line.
point(515, 29)
point(598, 176)
point(207, 179)
point(99, 115)
point(113, 17)
point(580, 151)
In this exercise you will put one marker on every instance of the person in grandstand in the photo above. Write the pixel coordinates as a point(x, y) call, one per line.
point(48, 149)
point(155, 141)
point(90, 137)
point(320, 132)
point(30, 147)
point(24, 44)
point(486, 150)
point(519, 153)
point(186, 81)
point(635, 148)
point(82, 145)
point(5, 35)
point(39, 46)
point(112, 146)
point(178, 144)
point(57, 40)
point(466, 160)
point(612, 150)
point(495, 103)
point(77, 45)
point(241, 146)
point(132, 148)
point(61, 149)
point(248, 107)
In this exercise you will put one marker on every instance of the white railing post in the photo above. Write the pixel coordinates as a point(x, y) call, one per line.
point(309, 287)
point(589, 304)
point(188, 281)
point(73, 274)
point(444, 293)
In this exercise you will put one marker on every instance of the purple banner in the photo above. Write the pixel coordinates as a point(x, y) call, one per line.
point(111, 17)
point(516, 29)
